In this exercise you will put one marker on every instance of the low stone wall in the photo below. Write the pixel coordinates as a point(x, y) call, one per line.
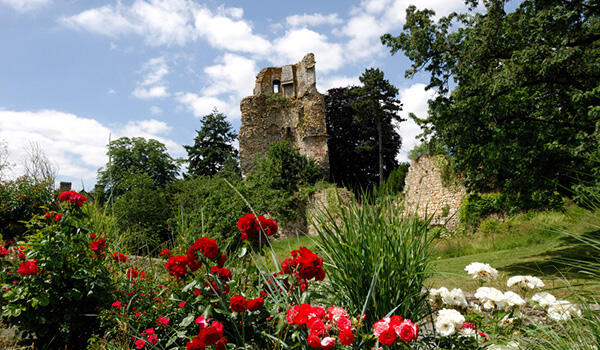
point(426, 194)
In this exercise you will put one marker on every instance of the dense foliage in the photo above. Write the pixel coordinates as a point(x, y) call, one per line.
point(20, 199)
point(55, 283)
point(129, 156)
point(355, 115)
point(523, 115)
point(213, 146)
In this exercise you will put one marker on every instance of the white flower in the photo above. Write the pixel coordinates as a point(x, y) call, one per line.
point(448, 321)
point(525, 282)
point(482, 271)
point(563, 310)
point(436, 295)
point(468, 332)
point(444, 327)
point(513, 299)
point(490, 298)
point(544, 299)
point(455, 298)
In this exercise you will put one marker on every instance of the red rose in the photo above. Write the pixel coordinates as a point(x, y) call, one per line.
point(72, 197)
point(116, 304)
point(221, 261)
point(407, 331)
point(28, 268)
point(238, 303)
point(256, 304)
point(346, 337)
point(57, 217)
point(313, 341)
point(388, 337)
point(177, 265)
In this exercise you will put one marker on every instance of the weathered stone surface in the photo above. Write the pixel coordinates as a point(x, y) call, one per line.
point(425, 193)
point(327, 200)
point(299, 117)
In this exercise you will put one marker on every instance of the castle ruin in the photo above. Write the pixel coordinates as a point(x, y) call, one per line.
point(285, 106)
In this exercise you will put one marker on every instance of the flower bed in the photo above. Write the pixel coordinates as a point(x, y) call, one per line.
point(66, 286)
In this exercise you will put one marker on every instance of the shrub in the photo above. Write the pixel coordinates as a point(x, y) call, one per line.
point(55, 283)
point(19, 201)
point(143, 210)
point(395, 182)
point(377, 259)
point(476, 206)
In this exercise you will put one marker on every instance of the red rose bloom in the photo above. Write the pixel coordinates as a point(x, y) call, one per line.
point(346, 337)
point(177, 266)
point(73, 197)
point(256, 304)
point(221, 344)
point(388, 337)
point(238, 303)
point(407, 331)
point(116, 304)
point(57, 217)
point(119, 257)
point(251, 228)
point(313, 341)
point(28, 268)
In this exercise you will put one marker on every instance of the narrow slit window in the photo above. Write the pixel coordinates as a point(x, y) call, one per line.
point(276, 86)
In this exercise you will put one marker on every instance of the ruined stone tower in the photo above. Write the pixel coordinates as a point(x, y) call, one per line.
point(285, 106)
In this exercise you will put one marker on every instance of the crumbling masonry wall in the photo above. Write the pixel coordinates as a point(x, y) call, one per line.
point(425, 193)
point(286, 106)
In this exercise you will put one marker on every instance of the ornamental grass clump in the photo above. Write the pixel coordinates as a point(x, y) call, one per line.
point(376, 258)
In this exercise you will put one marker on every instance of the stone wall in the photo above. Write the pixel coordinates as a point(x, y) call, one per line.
point(286, 106)
point(424, 192)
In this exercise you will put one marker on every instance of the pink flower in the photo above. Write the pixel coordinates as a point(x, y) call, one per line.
point(202, 321)
point(153, 339)
point(140, 343)
point(182, 304)
point(116, 304)
point(163, 321)
point(328, 343)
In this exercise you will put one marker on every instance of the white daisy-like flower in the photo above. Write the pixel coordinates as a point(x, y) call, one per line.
point(545, 299)
point(467, 332)
point(481, 271)
point(525, 282)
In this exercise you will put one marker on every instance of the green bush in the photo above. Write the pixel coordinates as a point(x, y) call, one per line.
point(19, 201)
point(395, 182)
point(377, 259)
point(142, 210)
point(476, 206)
point(57, 303)
point(206, 206)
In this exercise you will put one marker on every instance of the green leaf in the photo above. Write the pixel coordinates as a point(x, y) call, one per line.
point(186, 321)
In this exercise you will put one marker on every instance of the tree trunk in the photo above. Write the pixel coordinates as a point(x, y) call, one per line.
point(380, 136)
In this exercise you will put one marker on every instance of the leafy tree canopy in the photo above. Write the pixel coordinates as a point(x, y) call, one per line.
point(359, 120)
point(213, 146)
point(524, 112)
point(129, 156)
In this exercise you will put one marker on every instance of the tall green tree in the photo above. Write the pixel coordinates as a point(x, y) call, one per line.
point(129, 156)
point(518, 101)
point(352, 140)
point(213, 146)
point(376, 105)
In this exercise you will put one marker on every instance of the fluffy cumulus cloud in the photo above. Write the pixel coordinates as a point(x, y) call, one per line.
point(414, 100)
point(77, 145)
point(234, 74)
point(335, 81)
point(314, 19)
point(172, 22)
point(25, 5)
point(201, 105)
point(296, 43)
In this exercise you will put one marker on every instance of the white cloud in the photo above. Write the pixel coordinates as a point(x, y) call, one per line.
point(314, 19)
point(201, 105)
point(76, 144)
point(150, 93)
point(235, 75)
point(26, 5)
point(155, 110)
point(414, 100)
point(172, 22)
point(152, 85)
point(336, 81)
point(296, 43)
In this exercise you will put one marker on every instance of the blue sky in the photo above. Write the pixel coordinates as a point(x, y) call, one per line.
point(73, 72)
